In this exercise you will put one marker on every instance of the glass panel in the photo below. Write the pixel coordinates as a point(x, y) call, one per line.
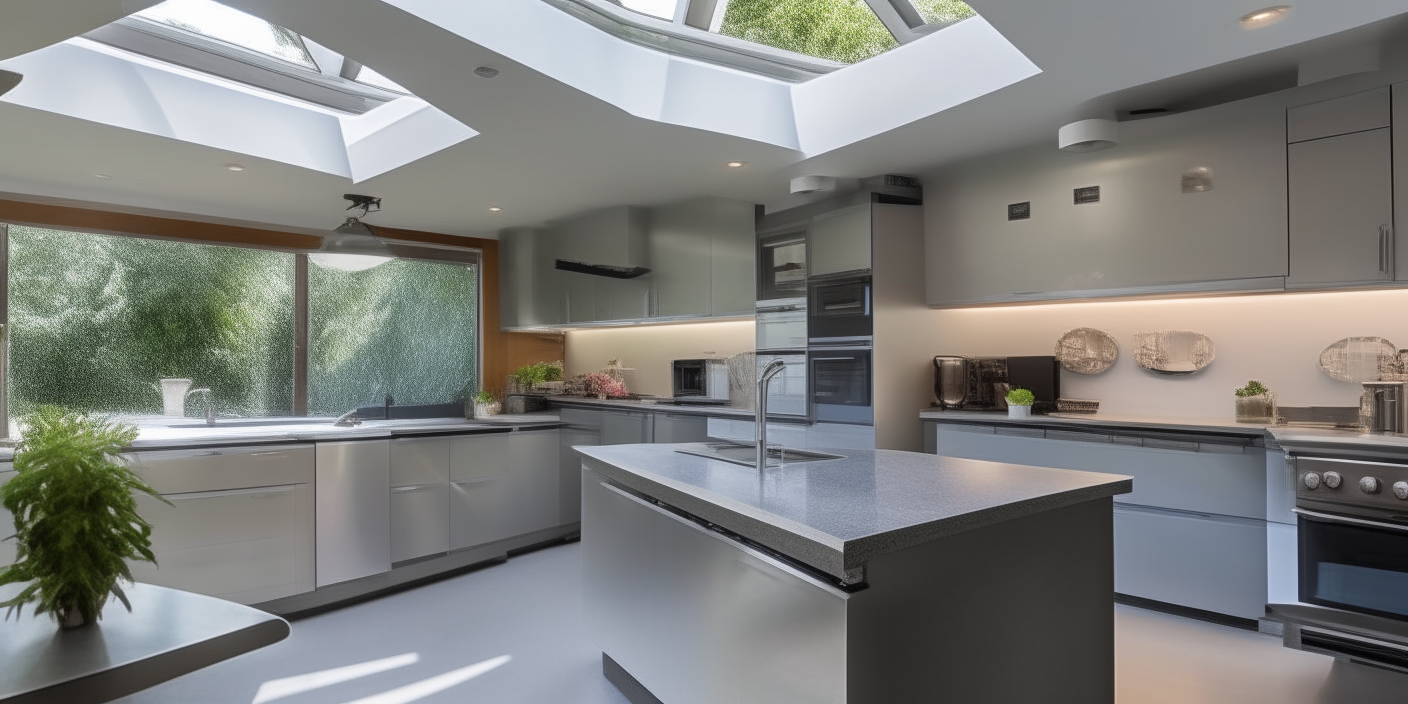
point(97, 320)
point(943, 11)
point(664, 9)
point(372, 78)
point(840, 30)
point(211, 19)
point(407, 327)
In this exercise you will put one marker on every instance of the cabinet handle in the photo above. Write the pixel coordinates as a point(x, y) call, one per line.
point(1386, 250)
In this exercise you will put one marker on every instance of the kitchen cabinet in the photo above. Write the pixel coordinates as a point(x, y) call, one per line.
point(702, 257)
point(1399, 102)
point(7, 522)
point(1341, 190)
point(533, 481)
point(353, 484)
point(479, 489)
point(670, 428)
point(624, 428)
point(530, 292)
point(840, 241)
point(240, 523)
point(420, 497)
point(578, 297)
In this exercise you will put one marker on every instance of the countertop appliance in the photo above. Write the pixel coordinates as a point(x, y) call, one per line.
point(950, 381)
point(1352, 528)
point(1384, 402)
point(700, 380)
point(981, 383)
point(1041, 375)
point(840, 308)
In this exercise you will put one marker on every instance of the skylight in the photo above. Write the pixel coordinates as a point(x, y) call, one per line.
point(211, 19)
point(372, 78)
point(840, 30)
point(943, 11)
point(664, 9)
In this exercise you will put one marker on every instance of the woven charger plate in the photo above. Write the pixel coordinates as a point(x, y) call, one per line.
point(1087, 351)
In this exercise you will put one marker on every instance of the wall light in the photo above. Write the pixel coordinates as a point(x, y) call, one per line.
point(1088, 135)
point(1264, 17)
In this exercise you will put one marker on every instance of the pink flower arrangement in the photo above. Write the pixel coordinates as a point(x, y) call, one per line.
point(599, 384)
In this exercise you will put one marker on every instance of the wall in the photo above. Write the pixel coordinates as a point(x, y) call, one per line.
point(649, 349)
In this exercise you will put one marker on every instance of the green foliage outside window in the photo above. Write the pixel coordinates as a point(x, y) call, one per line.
point(96, 320)
point(944, 11)
point(840, 30)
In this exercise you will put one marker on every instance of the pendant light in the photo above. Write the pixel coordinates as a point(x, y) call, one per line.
point(352, 246)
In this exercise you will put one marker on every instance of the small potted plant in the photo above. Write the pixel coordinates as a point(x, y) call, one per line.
point(1019, 403)
point(485, 405)
point(1255, 403)
point(602, 386)
point(76, 521)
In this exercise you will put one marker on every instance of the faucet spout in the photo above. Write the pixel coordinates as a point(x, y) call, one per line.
point(760, 421)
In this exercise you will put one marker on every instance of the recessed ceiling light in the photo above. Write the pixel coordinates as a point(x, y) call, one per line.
point(105, 177)
point(234, 167)
point(1264, 17)
point(495, 209)
point(736, 164)
point(486, 72)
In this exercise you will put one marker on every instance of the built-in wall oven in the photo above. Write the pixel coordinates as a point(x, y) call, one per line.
point(841, 384)
point(782, 266)
point(840, 308)
point(787, 392)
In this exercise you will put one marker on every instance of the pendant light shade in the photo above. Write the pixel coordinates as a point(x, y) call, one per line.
point(352, 247)
point(8, 80)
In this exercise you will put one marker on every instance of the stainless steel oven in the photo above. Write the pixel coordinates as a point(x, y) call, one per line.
point(782, 266)
point(841, 386)
point(782, 324)
point(839, 308)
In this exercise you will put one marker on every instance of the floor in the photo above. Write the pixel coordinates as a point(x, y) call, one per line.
point(446, 642)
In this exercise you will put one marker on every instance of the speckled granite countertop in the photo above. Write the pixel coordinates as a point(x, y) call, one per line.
point(836, 515)
point(157, 433)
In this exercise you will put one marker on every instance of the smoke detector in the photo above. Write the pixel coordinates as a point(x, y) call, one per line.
point(813, 184)
point(1088, 135)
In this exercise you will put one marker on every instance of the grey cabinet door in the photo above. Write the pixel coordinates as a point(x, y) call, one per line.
point(478, 511)
point(419, 461)
point(673, 428)
point(619, 428)
point(840, 241)
point(1212, 563)
point(622, 299)
point(353, 515)
point(679, 258)
point(578, 297)
point(420, 520)
point(1400, 176)
point(1340, 192)
point(733, 258)
point(533, 482)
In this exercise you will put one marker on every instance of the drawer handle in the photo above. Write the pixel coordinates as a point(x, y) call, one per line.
point(408, 489)
point(252, 491)
point(1329, 518)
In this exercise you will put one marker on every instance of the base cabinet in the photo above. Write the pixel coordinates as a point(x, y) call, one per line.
point(478, 511)
point(7, 522)
point(533, 481)
point(420, 521)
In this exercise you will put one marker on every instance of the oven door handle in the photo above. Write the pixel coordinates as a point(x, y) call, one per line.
point(1331, 518)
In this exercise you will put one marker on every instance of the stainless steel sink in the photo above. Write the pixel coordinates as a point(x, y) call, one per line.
point(745, 455)
point(253, 422)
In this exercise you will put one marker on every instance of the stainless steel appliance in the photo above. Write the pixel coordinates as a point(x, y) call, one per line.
point(353, 509)
point(700, 380)
point(840, 308)
point(787, 394)
point(1352, 527)
point(782, 324)
point(1383, 400)
point(979, 385)
point(782, 265)
point(842, 384)
point(1039, 374)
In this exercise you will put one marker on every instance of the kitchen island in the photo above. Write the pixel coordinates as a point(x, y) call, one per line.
point(879, 577)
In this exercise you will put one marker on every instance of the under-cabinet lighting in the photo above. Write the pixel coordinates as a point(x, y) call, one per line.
point(1264, 17)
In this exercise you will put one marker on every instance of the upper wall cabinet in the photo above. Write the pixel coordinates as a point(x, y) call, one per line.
point(1340, 187)
point(700, 254)
point(1016, 229)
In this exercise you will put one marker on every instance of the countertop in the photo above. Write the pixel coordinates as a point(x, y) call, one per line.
point(835, 515)
point(155, 432)
point(167, 634)
point(616, 404)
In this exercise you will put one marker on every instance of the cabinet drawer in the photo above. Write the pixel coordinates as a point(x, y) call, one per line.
point(417, 461)
point(624, 428)
point(245, 545)
point(533, 481)
point(1232, 484)
point(1214, 564)
point(420, 521)
point(213, 469)
point(478, 511)
point(671, 428)
point(474, 456)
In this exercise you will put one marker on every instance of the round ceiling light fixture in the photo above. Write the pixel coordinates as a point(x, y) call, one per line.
point(1088, 135)
point(1264, 17)
point(495, 209)
point(105, 177)
point(735, 164)
point(486, 72)
point(232, 166)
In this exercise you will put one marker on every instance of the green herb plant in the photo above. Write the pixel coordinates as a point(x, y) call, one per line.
point(531, 375)
point(76, 521)
point(1253, 388)
point(484, 397)
point(1020, 397)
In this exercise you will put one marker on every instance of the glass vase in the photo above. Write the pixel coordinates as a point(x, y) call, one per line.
point(1260, 408)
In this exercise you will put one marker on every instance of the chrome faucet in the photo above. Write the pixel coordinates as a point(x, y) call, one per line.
point(348, 419)
point(760, 423)
point(209, 404)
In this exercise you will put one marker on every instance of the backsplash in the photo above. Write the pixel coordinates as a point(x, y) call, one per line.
point(649, 349)
point(1276, 339)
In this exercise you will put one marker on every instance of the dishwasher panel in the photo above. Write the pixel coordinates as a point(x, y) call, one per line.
point(420, 521)
point(353, 510)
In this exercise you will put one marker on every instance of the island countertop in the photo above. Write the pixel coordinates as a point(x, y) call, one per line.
point(836, 515)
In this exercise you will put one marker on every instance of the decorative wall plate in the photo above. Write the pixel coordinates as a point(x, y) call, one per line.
point(1087, 351)
point(1360, 359)
point(1173, 351)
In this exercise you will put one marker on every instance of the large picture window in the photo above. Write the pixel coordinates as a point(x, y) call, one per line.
point(94, 321)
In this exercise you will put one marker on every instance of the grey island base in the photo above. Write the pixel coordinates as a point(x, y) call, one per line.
point(882, 577)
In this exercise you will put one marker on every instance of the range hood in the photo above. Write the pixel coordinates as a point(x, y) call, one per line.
point(612, 243)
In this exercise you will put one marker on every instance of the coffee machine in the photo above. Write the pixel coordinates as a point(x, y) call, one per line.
point(982, 383)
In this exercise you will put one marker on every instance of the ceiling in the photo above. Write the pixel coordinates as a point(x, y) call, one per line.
point(547, 150)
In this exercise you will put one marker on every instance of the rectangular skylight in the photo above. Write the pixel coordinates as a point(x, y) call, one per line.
point(226, 24)
point(841, 30)
point(372, 78)
point(943, 11)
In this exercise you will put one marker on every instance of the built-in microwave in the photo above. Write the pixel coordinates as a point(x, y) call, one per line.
point(700, 380)
point(839, 308)
point(841, 384)
point(782, 266)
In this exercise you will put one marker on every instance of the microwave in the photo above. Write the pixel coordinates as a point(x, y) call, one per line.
point(840, 308)
point(700, 380)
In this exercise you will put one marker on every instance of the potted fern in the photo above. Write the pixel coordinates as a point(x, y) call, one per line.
point(1019, 403)
point(76, 521)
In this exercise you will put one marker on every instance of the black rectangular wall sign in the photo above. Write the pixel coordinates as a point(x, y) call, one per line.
point(1019, 211)
point(1087, 195)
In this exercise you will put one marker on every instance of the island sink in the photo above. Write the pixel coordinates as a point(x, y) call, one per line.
point(746, 455)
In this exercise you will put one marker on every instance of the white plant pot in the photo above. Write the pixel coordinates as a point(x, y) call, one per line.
point(1018, 411)
point(484, 411)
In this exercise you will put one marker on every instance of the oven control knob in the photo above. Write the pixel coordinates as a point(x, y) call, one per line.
point(1369, 485)
point(1400, 489)
point(1332, 479)
point(1312, 481)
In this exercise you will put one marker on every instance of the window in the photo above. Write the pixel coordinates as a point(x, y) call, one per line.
point(841, 30)
point(407, 327)
point(96, 320)
point(943, 11)
point(372, 78)
point(664, 9)
point(229, 25)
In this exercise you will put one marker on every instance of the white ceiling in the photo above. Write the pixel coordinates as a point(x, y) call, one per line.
point(547, 150)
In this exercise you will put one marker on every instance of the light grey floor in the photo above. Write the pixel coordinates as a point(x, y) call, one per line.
point(530, 609)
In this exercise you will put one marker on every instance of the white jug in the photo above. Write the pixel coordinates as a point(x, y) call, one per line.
point(173, 397)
